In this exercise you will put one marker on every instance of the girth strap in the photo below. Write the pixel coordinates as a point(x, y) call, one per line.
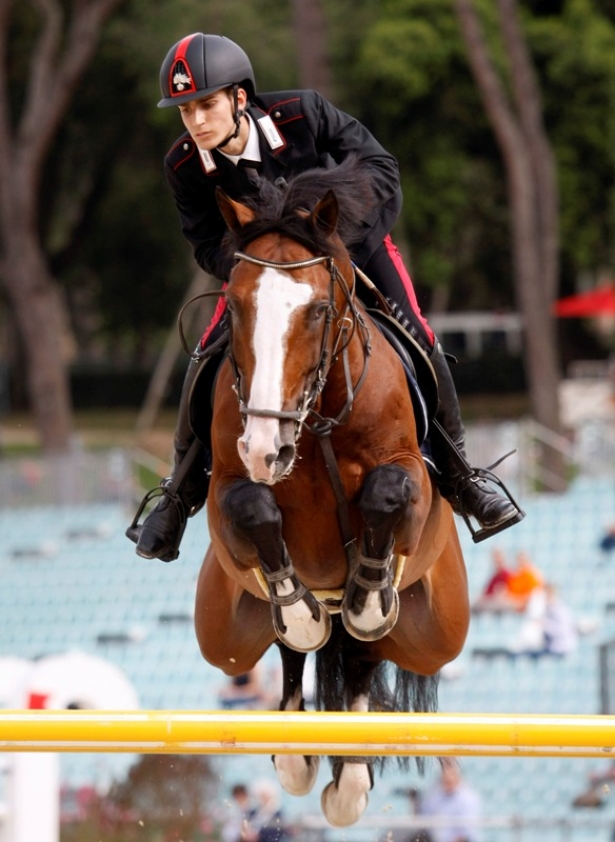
point(349, 539)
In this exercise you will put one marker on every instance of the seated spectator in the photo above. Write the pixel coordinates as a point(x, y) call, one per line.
point(549, 627)
point(265, 823)
point(243, 691)
point(607, 542)
point(454, 805)
point(494, 596)
point(559, 624)
point(524, 579)
point(235, 821)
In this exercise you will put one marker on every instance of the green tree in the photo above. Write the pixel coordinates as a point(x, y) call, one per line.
point(163, 796)
point(51, 45)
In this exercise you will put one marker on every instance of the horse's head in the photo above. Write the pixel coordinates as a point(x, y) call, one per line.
point(281, 301)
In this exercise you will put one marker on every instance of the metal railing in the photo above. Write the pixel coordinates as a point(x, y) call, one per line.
point(122, 474)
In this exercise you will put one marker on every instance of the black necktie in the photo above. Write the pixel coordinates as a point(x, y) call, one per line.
point(250, 168)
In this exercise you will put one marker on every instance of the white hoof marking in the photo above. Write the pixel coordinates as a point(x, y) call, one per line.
point(297, 774)
point(345, 803)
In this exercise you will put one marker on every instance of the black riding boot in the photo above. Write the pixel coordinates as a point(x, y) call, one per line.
point(183, 494)
point(466, 488)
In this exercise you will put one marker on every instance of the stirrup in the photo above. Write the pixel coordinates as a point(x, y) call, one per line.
point(469, 474)
point(134, 530)
point(485, 532)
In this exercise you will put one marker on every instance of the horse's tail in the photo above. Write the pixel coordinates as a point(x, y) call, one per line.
point(392, 688)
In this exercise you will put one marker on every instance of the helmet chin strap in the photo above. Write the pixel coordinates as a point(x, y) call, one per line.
point(237, 115)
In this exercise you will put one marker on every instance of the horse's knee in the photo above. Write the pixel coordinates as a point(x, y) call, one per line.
point(385, 495)
point(251, 507)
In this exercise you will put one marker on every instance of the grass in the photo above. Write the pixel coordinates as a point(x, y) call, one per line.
point(105, 428)
point(95, 429)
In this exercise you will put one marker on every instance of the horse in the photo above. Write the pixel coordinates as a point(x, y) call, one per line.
point(327, 530)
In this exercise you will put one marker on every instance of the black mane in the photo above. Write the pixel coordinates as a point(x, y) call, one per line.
point(277, 207)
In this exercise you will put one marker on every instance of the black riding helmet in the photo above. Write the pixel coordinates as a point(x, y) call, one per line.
point(200, 65)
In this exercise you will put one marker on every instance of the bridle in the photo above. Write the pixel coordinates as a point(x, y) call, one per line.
point(348, 323)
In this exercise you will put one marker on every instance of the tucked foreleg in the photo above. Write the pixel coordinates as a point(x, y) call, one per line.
point(299, 619)
point(371, 604)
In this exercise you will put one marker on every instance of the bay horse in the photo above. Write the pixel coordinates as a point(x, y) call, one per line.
point(327, 529)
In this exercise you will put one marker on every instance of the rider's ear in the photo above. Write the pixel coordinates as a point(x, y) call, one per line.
point(326, 213)
point(235, 214)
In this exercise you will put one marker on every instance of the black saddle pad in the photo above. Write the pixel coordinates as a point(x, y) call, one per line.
point(422, 382)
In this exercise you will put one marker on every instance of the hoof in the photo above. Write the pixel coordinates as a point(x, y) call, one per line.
point(369, 624)
point(344, 803)
point(296, 773)
point(301, 630)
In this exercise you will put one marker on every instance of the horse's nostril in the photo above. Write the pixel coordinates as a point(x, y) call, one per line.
point(286, 455)
point(270, 459)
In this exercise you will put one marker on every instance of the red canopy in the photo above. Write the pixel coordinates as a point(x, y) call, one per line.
point(596, 302)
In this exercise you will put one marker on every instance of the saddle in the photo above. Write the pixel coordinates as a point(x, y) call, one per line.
point(421, 377)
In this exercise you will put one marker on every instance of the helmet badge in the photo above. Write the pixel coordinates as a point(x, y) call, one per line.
point(181, 79)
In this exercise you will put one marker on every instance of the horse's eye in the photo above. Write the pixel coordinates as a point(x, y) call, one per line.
point(319, 310)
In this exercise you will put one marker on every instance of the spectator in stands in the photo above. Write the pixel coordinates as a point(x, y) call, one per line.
point(549, 627)
point(607, 542)
point(494, 596)
point(524, 579)
point(244, 691)
point(559, 624)
point(235, 823)
point(453, 801)
point(265, 822)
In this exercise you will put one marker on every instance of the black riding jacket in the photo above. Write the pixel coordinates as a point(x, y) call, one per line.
point(313, 133)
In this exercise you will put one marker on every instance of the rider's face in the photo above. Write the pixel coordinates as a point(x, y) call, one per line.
point(211, 120)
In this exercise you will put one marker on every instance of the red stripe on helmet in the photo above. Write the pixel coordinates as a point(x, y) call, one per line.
point(182, 47)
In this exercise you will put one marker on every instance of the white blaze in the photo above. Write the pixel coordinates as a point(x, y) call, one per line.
point(277, 298)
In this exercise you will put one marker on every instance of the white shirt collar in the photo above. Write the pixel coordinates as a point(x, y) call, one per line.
point(252, 150)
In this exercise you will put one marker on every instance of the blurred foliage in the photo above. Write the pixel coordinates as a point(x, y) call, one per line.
point(109, 223)
point(164, 798)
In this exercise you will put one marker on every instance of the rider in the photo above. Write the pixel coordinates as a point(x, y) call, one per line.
point(232, 134)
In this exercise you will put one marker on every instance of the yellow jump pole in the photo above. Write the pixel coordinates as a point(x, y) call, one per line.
point(267, 732)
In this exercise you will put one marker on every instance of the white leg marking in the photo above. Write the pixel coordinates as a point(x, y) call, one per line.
point(303, 633)
point(371, 617)
point(345, 803)
point(296, 773)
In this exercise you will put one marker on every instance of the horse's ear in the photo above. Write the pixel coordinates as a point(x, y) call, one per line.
point(326, 213)
point(235, 214)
